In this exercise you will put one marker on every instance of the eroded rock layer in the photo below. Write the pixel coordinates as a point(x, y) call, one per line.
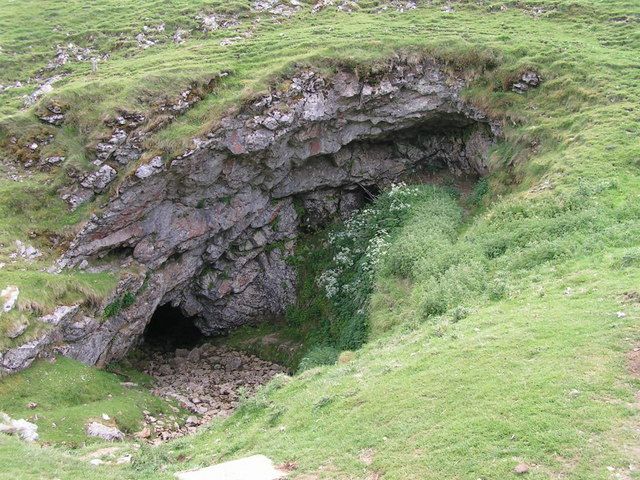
point(210, 230)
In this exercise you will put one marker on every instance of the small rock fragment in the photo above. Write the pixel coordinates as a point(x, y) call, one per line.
point(111, 434)
point(25, 430)
point(144, 433)
point(192, 420)
point(528, 80)
point(8, 297)
point(521, 469)
point(148, 169)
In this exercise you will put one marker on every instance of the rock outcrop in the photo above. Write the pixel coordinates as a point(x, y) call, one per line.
point(27, 431)
point(210, 230)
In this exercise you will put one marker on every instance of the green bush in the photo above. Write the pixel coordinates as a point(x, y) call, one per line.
point(319, 356)
point(630, 258)
point(353, 333)
point(460, 284)
point(119, 304)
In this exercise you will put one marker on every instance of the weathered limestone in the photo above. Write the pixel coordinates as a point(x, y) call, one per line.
point(257, 467)
point(211, 229)
point(27, 431)
point(111, 434)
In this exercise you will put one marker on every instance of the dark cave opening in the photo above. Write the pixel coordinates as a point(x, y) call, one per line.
point(368, 192)
point(170, 329)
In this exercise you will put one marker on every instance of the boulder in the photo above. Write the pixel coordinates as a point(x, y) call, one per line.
point(8, 297)
point(25, 430)
point(19, 358)
point(256, 467)
point(111, 434)
point(99, 180)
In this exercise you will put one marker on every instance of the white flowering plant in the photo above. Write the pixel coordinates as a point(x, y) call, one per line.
point(358, 246)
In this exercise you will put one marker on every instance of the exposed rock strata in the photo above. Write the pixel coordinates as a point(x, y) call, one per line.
point(211, 229)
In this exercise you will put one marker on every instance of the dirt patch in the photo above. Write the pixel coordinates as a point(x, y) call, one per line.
point(366, 456)
point(631, 296)
point(633, 362)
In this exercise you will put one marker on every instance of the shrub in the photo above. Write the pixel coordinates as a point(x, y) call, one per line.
point(353, 333)
point(119, 304)
point(459, 313)
point(497, 288)
point(319, 356)
point(459, 284)
point(630, 258)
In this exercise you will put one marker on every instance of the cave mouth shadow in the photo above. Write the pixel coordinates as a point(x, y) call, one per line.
point(170, 329)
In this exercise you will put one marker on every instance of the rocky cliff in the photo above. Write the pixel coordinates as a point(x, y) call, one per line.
point(209, 231)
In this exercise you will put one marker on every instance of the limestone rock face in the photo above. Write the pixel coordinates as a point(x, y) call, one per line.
point(211, 229)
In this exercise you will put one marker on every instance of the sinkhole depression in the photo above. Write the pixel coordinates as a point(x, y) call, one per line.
point(207, 233)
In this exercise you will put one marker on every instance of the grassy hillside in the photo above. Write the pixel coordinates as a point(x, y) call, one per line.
point(498, 338)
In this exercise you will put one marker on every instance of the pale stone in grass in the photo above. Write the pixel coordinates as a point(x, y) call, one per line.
point(521, 468)
point(111, 434)
point(124, 459)
point(257, 467)
point(17, 329)
point(25, 430)
point(8, 297)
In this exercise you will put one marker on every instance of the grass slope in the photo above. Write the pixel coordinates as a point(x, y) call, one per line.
point(69, 395)
point(537, 379)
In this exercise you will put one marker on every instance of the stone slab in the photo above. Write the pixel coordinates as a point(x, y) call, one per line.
point(257, 467)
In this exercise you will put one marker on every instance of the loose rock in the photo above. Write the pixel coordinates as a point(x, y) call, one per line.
point(8, 297)
point(199, 384)
point(111, 434)
point(25, 430)
point(528, 80)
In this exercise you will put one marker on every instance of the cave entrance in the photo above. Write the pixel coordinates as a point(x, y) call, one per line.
point(169, 329)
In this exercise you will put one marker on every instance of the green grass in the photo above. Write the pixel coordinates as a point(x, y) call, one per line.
point(69, 395)
point(467, 401)
point(41, 292)
point(465, 390)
